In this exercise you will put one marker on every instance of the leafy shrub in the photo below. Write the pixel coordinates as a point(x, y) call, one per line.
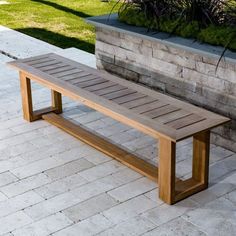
point(211, 21)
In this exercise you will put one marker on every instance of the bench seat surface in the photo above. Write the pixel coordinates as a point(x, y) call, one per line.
point(149, 111)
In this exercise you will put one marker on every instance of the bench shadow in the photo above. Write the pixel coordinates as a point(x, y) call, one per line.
point(62, 8)
point(57, 39)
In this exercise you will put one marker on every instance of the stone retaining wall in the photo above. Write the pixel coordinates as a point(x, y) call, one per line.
point(178, 72)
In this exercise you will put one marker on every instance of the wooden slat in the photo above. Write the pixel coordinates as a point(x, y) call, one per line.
point(161, 111)
point(39, 59)
point(75, 75)
point(139, 102)
point(128, 98)
point(185, 121)
point(52, 66)
point(46, 64)
point(119, 94)
point(99, 87)
point(90, 82)
point(104, 146)
point(149, 107)
point(84, 77)
point(172, 116)
point(71, 72)
point(60, 69)
point(109, 90)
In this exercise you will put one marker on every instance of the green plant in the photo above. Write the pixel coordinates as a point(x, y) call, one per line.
point(212, 21)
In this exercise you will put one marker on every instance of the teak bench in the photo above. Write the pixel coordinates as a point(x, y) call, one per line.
point(164, 118)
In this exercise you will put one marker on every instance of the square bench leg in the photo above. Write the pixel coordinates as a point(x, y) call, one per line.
point(166, 171)
point(172, 191)
point(27, 104)
point(26, 95)
point(201, 151)
point(56, 102)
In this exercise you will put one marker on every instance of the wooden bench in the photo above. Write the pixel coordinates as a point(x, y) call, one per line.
point(164, 118)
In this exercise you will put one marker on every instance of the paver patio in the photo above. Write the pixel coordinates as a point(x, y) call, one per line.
point(51, 183)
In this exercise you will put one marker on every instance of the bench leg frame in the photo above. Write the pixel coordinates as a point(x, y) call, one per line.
point(27, 102)
point(172, 191)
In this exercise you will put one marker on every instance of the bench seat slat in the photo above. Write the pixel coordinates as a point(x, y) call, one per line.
point(128, 98)
point(118, 94)
point(156, 122)
point(65, 73)
point(139, 102)
point(45, 64)
point(172, 116)
point(51, 66)
point(163, 110)
point(82, 78)
point(108, 90)
point(99, 87)
point(75, 75)
point(58, 69)
point(89, 83)
point(185, 121)
point(149, 107)
point(38, 59)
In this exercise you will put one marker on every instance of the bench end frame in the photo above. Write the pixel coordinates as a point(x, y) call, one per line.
point(27, 102)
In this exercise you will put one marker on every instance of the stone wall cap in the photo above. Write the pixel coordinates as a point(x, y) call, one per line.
point(111, 22)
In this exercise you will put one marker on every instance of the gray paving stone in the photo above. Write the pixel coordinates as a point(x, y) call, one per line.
point(14, 221)
point(219, 221)
point(61, 186)
point(68, 169)
point(176, 227)
point(36, 167)
point(164, 213)
point(24, 185)
point(19, 202)
point(131, 208)
point(134, 226)
point(3, 197)
point(7, 178)
point(102, 170)
point(132, 189)
point(90, 207)
point(45, 226)
point(88, 227)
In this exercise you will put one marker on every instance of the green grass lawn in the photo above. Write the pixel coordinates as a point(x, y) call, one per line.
point(59, 22)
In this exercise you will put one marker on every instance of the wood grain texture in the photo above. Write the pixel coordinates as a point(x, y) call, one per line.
point(56, 102)
point(201, 152)
point(26, 95)
point(166, 177)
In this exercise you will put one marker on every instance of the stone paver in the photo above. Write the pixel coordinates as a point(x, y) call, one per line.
point(53, 184)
